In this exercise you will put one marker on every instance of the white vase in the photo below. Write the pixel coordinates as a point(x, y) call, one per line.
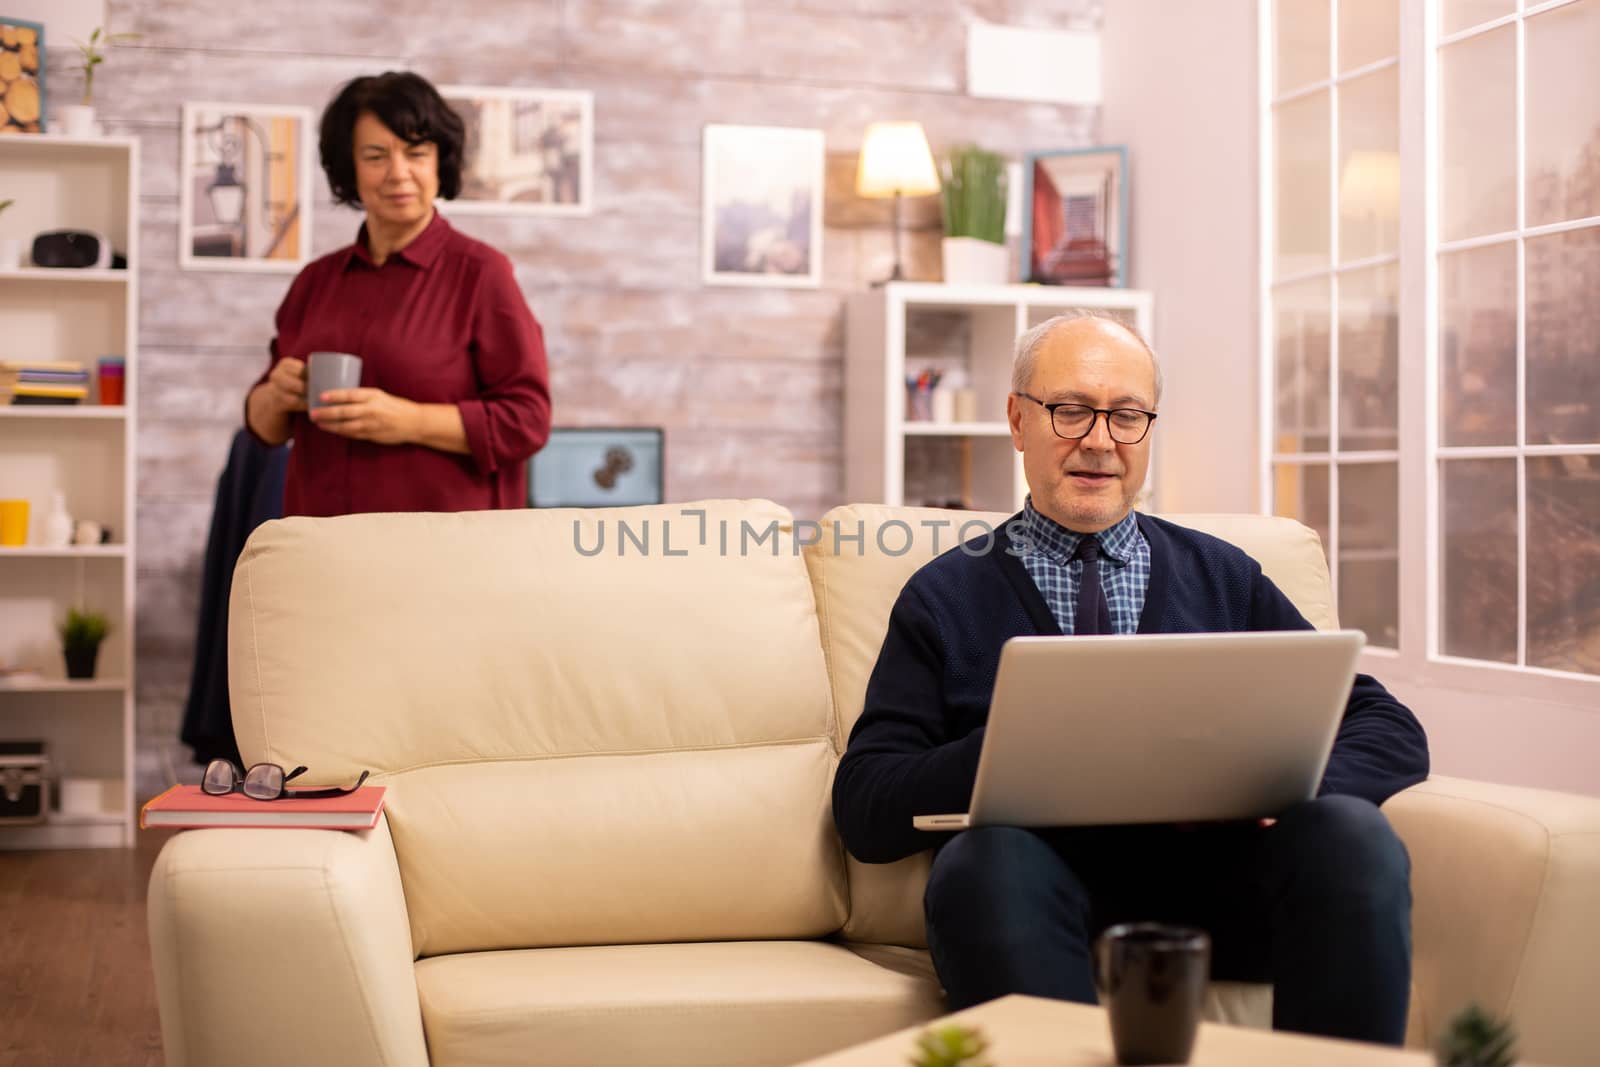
point(10, 253)
point(58, 524)
point(77, 120)
point(970, 261)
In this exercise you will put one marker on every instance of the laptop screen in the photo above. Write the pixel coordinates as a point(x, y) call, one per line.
point(592, 467)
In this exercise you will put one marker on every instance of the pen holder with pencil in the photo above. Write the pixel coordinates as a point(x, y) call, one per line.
point(921, 396)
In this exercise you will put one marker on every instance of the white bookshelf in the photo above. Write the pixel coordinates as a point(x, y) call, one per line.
point(973, 461)
point(69, 552)
point(64, 275)
point(49, 412)
point(87, 452)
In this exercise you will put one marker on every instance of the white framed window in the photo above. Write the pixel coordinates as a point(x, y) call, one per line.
point(1431, 327)
point(1333, 433)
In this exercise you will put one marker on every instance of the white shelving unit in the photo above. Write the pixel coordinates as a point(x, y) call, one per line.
point(87, 452)
point(904, 327)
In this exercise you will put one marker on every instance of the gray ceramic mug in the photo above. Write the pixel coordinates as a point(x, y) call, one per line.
point(330, 370)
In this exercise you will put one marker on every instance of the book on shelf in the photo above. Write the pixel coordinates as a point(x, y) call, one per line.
point(16, 366)
point(188, 807)
point(24, 396)
point(40, 382)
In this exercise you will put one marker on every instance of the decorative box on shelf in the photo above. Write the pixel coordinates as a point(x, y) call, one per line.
point(24, 783)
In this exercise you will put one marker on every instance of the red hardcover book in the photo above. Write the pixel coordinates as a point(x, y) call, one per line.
point(185, 806)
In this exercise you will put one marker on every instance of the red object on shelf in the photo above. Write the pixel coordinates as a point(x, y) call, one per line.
point(113, 377)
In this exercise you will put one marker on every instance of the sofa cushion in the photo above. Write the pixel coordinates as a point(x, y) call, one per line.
point(592, 723)
point(744, 1003)
point(866, 554)
point(1290, 553)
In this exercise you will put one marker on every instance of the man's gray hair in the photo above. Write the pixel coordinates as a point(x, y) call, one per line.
point(1029, 343)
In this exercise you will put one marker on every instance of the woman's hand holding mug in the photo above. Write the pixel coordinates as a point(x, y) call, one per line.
point(368, 415)
point(286, 385)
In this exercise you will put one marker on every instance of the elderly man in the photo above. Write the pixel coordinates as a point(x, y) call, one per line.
point(1318, 902)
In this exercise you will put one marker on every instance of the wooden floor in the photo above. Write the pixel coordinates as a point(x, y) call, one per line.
point(75, 980)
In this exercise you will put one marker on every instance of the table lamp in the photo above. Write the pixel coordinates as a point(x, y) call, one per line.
point(1369, 196)
point(896, 161)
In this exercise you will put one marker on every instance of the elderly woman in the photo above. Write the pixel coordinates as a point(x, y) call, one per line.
point(454, 394)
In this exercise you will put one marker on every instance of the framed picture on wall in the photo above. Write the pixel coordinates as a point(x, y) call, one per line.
point(244, 198)
point(528, 151)
point(761, 219)
point(1075, 216)
point(22, 101)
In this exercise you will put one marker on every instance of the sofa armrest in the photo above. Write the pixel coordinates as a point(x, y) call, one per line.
point(1506, 911)
point(274, 946)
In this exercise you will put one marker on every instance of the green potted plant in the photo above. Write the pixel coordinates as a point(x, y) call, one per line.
point(1476, 1038)
point(974, 217)
point(77, 120)
point(81, 635)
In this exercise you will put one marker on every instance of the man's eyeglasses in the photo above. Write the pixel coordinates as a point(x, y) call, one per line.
point(263, 781)
point(1074, 422)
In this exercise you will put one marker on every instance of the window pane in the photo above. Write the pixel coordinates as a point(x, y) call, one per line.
point(1564, 563)
point(1300, 491)
point(1369, 30)
point(1369, 359)
point(1302, 42)
point(1564, 338)
point(1302, 184)
point(1478, 346)
point(1369, 550)
point(1477, 132)
point(1564, 113)
point(1478, 572)
point(1369, 166)
point(1301, 350)
point(1457, 15)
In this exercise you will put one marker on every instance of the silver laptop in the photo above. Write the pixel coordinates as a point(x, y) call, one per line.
point(1158, 728)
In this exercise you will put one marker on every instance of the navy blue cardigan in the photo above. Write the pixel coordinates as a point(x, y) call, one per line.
point(914, 751)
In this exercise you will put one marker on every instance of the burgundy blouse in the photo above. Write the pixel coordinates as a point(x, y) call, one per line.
point(440, 322)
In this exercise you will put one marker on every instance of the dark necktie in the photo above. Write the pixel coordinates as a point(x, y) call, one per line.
point(1094, 614)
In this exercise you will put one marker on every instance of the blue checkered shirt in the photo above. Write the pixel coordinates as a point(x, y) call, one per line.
point(1047, 547)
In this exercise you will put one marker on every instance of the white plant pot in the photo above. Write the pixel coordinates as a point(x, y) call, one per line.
point(77, 120)
point(970, 261)
point(10, 253)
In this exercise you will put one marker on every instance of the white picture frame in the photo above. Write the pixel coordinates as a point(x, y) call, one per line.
point(761, 211)
point(228, 153)
point(528, 151)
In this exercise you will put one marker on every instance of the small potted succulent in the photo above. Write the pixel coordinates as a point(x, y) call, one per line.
point(77, 120)
point(974, 193)
point(951, 1045)
point(81, 635)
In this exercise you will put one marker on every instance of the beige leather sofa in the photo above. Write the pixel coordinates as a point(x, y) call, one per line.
point(608, 837)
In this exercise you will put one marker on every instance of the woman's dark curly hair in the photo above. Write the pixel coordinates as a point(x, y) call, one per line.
point(408, 105)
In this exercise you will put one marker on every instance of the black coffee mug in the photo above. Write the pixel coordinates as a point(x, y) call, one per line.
point(1154, 980)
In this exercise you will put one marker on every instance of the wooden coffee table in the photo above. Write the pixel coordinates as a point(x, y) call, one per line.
point(1033, 1032)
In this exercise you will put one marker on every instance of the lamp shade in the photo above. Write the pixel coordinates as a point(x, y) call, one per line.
point(895, 159)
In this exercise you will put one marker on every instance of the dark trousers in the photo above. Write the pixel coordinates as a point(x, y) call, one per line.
point(1318, 904)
